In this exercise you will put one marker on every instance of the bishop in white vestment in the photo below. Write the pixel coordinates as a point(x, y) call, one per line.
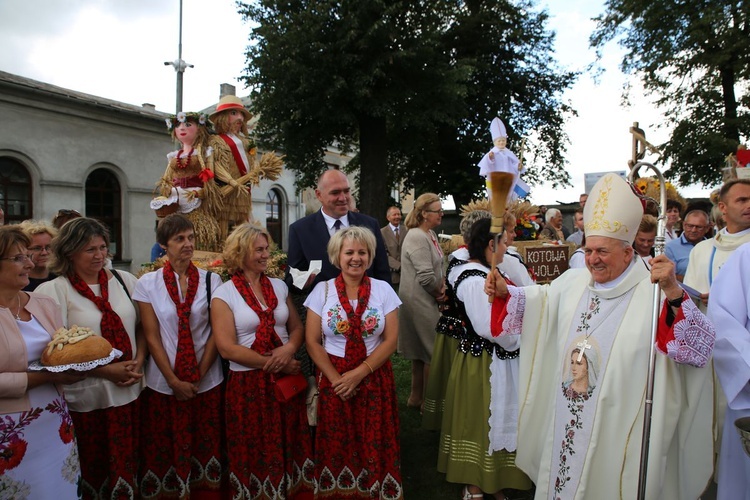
point(585, 342)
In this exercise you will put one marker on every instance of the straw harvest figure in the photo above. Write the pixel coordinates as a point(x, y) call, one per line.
point(188, 185)
point(235, 162)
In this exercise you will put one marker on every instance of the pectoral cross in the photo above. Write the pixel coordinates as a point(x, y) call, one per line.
point(584, 344)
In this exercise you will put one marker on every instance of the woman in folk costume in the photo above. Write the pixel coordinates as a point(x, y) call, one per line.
point(351, 332)
point(38, 454)
point(106, 406)
point(235, 163)
point(181, 425)
point(269, 447)
point(449, 332)
point(478, 440)
point(189, 178)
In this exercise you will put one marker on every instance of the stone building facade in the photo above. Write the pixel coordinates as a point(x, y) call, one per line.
point(62, 149)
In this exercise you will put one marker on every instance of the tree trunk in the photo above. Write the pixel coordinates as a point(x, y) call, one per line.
point(373, 174)
point(731, 129)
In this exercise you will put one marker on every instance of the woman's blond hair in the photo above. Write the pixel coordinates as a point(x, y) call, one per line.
point(240, 242)
point(416, 217)
point(34, 227)
point(358, 234)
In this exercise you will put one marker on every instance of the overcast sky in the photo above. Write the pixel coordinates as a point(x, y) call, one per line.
point(117, 49)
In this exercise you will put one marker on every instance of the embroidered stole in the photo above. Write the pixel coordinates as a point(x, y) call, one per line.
point(600, 319)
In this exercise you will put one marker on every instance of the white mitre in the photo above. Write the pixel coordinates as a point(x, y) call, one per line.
point(612, 210)
point(497, 129)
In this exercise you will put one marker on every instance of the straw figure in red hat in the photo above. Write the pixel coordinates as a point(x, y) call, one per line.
point(188, 185)
point(235, 162)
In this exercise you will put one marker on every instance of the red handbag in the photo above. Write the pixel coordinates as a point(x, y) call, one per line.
point(287, 387)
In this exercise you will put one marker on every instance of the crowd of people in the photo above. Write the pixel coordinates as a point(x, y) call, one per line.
point(530, 389)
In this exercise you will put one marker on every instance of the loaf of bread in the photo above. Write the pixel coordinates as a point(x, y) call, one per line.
point(75, 345)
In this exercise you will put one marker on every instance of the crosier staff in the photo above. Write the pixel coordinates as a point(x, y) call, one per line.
point(658, 250)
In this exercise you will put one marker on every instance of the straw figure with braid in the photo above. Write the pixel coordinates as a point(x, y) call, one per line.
point(235, 161)
point(188, 185)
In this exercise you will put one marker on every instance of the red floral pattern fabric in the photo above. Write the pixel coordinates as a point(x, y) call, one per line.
point(266, 338)
point(269, 447)
point(355, 352)
point(12, 443)
point(182, 446)
point(108, 448)
point(185, 361)
point(357, 450)
point(38, 453)
point(111, 325)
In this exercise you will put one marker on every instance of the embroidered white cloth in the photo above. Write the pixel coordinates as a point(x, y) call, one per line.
point(36, 366)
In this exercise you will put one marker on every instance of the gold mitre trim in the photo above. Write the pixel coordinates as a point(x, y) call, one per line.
point(613, 210)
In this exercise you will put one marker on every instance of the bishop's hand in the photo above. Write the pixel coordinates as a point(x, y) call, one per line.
point(662, 272)
point(495, 285)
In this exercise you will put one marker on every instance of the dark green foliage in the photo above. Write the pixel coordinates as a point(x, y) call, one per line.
point(410, 85)
point(693, 57)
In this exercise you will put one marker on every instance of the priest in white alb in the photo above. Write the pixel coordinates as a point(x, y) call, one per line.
point(729, 309)
point(585, 342)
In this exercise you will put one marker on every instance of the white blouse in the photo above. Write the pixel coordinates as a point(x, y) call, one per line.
point(152, 290)
point(246, 321)
point(382, 301)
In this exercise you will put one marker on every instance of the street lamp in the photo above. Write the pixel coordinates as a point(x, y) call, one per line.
point(179, 66)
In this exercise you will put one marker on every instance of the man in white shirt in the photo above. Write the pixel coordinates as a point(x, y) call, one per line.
point(308, 237)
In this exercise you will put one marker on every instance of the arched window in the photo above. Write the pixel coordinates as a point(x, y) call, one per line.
point(15, 191)
point(273, 215)
point(103, 203)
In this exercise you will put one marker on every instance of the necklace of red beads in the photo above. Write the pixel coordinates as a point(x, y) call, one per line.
point(182, 161)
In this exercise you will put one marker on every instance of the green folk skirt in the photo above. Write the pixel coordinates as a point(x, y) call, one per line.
point(464, 440)
point(440, 369)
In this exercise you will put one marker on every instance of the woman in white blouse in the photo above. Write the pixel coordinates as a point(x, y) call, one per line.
point(181, 425)
point(258, 331)
point(351, 332)
point(105, 407)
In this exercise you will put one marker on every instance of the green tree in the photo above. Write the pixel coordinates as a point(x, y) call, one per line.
point(693, 58)
point(410, 85)
point(514, 76)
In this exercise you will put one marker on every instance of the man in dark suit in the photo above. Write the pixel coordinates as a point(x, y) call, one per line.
point(308, 237)
point(393, 236)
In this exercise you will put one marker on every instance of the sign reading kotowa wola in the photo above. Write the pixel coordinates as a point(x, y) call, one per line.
point(547, 261)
